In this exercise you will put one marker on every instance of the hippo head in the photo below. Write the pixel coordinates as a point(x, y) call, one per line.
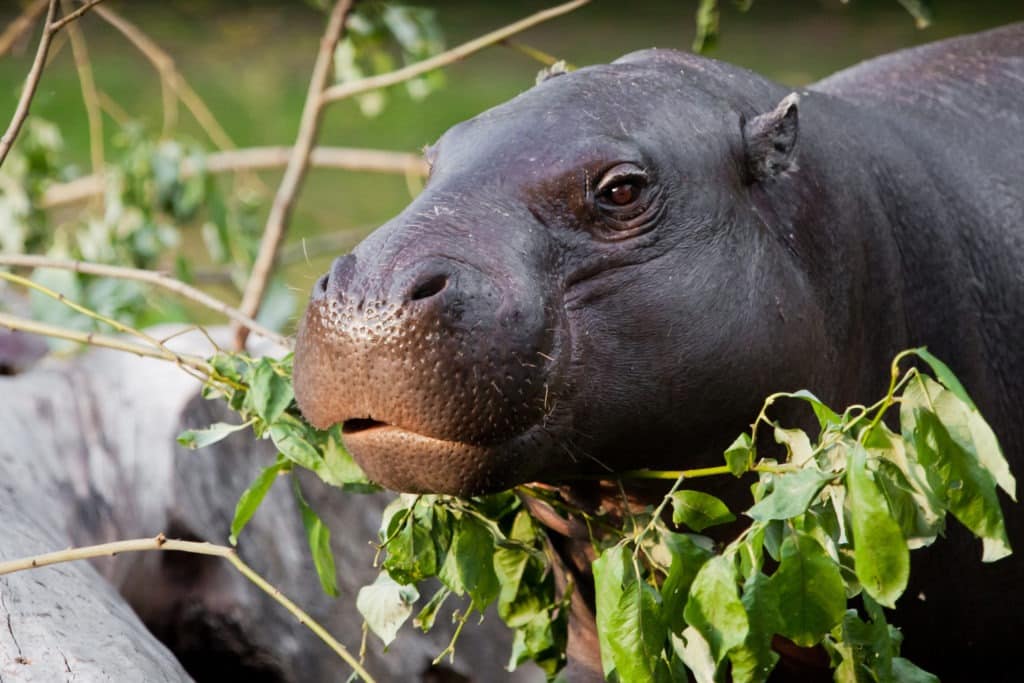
point(588, 283)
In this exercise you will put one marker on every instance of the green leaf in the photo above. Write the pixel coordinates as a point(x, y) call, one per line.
point(881, 556)
point(811, 593)
point(698, 510)
point(905, 671)
point(473, 550)
point(929, 417)
point(609, 571)
point(386, 605)
point(319, 537)
point(798, 445)
point(753, 661)
point(739, 456)
point(425, 619)
point(791, 494)
point(630, 622)
point(271, 393)
point(251, 498)
point(411, 550)
point(714, 607)
point(946, 376)
point(707, 26)
point(695, 652)
point(687, 559)
point(200, 438)
point(290, 437)
point(826, 416)
point(339, 468)
point(636, 631)
point(510, 563)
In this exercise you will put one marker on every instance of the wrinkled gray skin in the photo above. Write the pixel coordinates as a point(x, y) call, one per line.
point(515, 324)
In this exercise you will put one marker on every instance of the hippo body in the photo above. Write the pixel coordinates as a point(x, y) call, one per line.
point(613, 269)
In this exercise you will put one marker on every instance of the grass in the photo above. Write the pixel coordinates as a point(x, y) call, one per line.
point(251, 62)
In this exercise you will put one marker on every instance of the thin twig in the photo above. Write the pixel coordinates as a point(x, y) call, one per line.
point(89, 95)
point(284, 200)
point(254, 159)
point(169, 74)
point(536, 54)
point(161, 542)
point(150, 277)
point(121, 117)
point(17, 28)
point(50, 28)
point(344, 90)
point(12, 322)
point(31, 83)
point(68, 18)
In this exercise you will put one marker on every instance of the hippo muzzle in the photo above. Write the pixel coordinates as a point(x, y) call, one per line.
point(440, 372)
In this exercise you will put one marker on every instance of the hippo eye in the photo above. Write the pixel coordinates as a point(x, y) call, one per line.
point(621, 193)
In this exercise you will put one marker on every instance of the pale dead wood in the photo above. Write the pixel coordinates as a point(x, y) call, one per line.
point(150, 277)
point(254, 159)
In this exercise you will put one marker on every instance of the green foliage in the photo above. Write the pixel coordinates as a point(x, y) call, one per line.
point(834, 521)
point(155, 191)
point(377, 35)
point(707, 20)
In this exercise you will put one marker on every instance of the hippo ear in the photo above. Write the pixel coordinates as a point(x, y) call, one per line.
point(769, 140)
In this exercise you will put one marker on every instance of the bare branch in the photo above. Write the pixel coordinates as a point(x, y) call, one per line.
point(284, 200)
point(50, 28)
point(161, 542)
point(17, 28)
point(345, 90)
point(89, 95)
point(31, 83)
point(149, 277)
point(171, 79)
point(255, 159)
point(12, 322)
point(68, 18)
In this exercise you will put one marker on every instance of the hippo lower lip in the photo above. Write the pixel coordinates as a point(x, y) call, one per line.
point(418, 463)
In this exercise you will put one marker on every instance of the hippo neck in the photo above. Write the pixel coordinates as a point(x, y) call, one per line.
point(940, 265)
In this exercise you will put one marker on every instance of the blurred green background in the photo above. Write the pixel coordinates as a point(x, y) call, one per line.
point(251, 62)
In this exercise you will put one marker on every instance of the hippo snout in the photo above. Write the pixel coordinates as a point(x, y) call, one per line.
point(437, 371)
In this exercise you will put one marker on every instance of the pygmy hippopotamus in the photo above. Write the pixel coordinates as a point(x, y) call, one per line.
point(613, 269)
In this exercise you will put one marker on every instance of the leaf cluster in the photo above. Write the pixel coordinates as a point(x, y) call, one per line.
point(378, 36)
point(832, 524)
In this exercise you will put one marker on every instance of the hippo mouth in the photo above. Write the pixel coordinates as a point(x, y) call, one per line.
point(357, 425)
point(407, 460)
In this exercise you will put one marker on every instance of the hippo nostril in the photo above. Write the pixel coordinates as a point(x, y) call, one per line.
point(430, 287)
point(321, 284)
